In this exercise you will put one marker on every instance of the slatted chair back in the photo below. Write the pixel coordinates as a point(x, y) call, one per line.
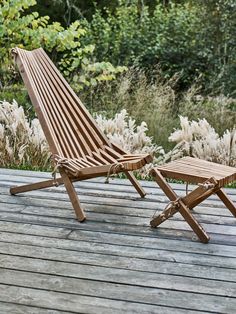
point(69, 128)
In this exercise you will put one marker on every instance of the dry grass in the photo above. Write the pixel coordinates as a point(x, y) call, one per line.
point(158, 104)
point(199, 139)
point(133, 138)
point(22, 143)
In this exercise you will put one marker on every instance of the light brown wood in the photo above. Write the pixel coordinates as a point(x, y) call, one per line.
point(73, 196)
point(228, 203)
point(36, 186)
point(210, 177)
point(79, 149)
point(178, 205)
point(195, 170)
point(135, 183)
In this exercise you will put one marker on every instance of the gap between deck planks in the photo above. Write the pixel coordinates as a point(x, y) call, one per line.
point(118, 227)
point(127, 223)
point(120, 182)
point(112, 263)
point(74, 240)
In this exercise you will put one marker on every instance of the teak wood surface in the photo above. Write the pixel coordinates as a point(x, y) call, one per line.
point(79, 149)
point(210, 177)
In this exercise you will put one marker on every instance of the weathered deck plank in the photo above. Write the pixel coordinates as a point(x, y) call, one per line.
point(114, 262)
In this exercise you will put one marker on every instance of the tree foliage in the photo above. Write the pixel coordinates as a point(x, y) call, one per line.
point(194, 38)
point(30, 31)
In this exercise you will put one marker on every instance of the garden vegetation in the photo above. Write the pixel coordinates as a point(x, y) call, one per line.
point(159, 76)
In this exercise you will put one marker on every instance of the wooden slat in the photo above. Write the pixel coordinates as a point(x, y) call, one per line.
point(112, 152)
point(102, 257)
point(209, 207)
point(76, 277)
point(97, 242)
point(117, 224)
point(193, 169)
point(15, 308)
point(16, 176)
point(45, 123)
point(83, 114)
point(53, 111)
point(107, 156)
point(65, 124)
point(75, 303)
point(123, 184)
point(71, 114)
point(208, 165)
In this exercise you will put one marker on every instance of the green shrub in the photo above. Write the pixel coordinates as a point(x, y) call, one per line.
point(28, 30)
point(196, 38)
point(130, 36)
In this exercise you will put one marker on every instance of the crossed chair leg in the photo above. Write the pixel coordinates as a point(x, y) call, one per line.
point(183, 205)
point(64, 179)
point(68, 182)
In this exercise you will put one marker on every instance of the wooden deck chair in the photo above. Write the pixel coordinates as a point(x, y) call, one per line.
point(79, 149)
point(209, 176)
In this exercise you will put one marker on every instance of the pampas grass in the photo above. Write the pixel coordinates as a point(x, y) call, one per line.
point(123, 131)
point(199, 139)
point(22, 143)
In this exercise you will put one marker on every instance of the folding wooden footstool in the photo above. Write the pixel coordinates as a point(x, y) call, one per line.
point(209, 176)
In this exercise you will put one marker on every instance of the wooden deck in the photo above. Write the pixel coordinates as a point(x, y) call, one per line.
point(114, 262)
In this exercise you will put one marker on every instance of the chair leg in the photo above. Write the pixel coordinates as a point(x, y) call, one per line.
point(228, 203)
point(35, 186)
point(135, 183)
point(193, 223)
point(166, 214)
point(73, 196)
point(182, 208)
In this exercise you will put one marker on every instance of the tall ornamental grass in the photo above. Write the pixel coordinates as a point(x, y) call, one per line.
point(22, 143)
point(199, 139)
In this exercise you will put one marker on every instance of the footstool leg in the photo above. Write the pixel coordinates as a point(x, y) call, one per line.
point(182, 208)
point(228, 203)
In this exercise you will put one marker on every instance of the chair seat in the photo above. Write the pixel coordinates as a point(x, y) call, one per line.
point(194, 170)
point(101, 164)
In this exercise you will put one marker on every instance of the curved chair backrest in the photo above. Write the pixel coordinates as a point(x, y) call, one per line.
point(69, 128)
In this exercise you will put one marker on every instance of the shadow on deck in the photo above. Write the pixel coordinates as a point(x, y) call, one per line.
point(114, 262)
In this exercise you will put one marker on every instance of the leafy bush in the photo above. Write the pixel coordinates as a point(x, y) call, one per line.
point(130, 36)
point(196, 38)
point(17, 28)
point(199, 139)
